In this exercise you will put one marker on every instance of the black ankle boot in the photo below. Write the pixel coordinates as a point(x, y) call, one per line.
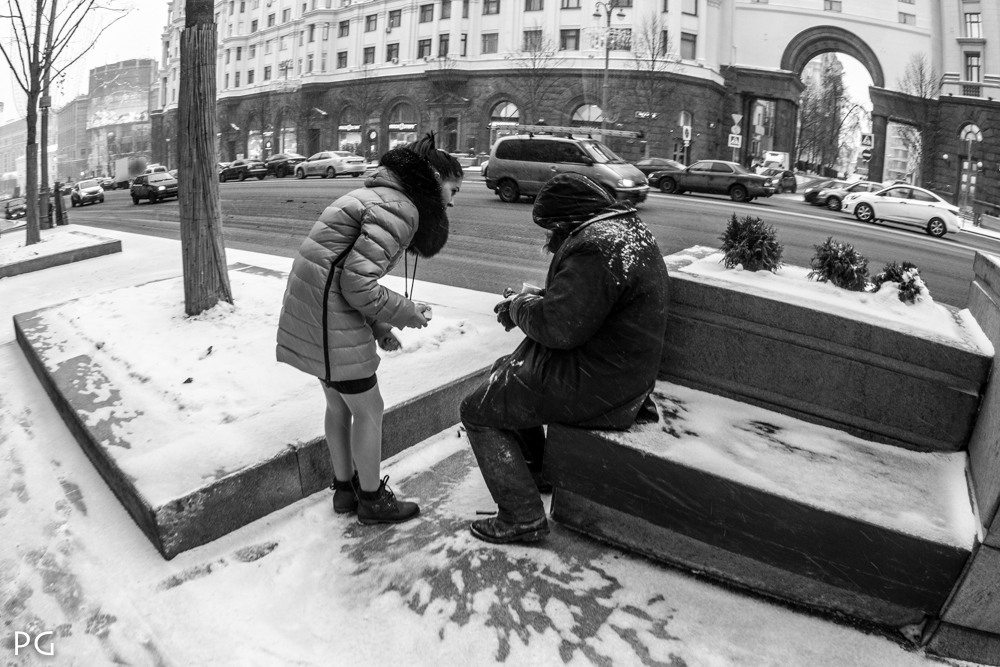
point(345, 499)
point(382, 507)
point(497, 531)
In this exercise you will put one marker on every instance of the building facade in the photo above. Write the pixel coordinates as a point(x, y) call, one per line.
point(310, 75)
point(118, 119)
point(74, 148)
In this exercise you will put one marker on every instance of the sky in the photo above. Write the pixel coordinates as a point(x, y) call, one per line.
point(136, 35)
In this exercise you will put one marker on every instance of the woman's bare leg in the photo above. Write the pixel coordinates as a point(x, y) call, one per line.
point(337, 425)
point(366, 435)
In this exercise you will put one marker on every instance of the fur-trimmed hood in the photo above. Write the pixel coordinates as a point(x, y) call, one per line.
point(417, 179)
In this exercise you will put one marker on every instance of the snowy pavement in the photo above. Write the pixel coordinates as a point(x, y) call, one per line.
point(306, 587)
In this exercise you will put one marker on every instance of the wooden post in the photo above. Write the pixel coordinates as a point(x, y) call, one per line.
point(203, 252)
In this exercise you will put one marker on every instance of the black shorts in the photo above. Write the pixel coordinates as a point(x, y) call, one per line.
point(351, 386)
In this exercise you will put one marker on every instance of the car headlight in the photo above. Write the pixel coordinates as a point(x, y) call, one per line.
point(626, 183)
point(161, 188)
point(767, 181)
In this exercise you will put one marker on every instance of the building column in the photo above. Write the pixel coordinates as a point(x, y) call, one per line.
point(786, 115)
point(876, 165)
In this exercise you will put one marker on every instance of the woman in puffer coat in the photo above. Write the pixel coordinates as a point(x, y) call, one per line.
point(592, 346)
point(334, 310)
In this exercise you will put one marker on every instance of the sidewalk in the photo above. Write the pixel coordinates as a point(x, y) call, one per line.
point(305, 587)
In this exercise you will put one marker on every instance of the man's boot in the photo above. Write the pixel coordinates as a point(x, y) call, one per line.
point(345, 499)
point(498, 531)
point(382, 507)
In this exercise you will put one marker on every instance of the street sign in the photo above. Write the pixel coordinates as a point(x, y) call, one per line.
point(737, 117)
point(646, 114)
point(866, 154)
point(735, 140)
point(867, 141)
point(686, 132)
point(736, 129)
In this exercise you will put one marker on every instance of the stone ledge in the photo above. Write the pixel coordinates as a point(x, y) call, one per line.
point(106, 247)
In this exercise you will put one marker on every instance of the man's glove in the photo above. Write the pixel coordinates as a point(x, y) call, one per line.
point(502, 310)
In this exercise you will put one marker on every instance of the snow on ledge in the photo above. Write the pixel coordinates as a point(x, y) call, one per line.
point(54, 241)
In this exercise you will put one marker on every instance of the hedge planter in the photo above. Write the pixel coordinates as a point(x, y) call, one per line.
point(836, 359)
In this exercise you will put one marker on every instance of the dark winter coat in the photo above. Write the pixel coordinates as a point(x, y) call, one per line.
point(325, 327)
point(594, 339)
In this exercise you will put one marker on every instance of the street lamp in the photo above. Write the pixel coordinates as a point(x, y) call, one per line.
point(608, 8)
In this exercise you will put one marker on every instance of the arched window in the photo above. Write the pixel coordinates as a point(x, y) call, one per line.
point(349, 131)
point(503, 118)
point(587, 115)
point(402, 125)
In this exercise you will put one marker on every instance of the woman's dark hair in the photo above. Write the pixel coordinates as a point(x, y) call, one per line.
point(443, 163)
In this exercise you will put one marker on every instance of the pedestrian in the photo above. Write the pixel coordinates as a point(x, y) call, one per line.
point(335, 311)
point(592, 346)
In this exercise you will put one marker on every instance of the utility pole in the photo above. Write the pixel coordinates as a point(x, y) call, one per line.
point(44, 219)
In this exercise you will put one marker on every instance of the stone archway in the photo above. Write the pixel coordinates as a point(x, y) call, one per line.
point(828, 39)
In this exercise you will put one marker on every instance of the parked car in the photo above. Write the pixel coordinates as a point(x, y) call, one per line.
point(17, 207)
point(522, 164)
point(283, 164)
point(809, 194)
point(330, 164)
point(716, 177)
point(153, 187)
point(657, 165)
point(86, 192)
point(833, 196)
point(783, 179)
point(905, 204)
point(155, 169)
point(107, 183)
point(241, 169)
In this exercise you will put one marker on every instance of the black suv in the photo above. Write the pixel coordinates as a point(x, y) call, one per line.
point(153, 187)
point(283, 164)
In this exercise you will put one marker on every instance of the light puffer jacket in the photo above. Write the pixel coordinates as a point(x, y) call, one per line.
point(325, 327)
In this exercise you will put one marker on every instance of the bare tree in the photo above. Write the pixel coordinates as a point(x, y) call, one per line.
point(203, 253)
point(533, 75)
point(653, 61)
point(34, 65)
point(367, 93)
point(825, 115)
point(923, 84)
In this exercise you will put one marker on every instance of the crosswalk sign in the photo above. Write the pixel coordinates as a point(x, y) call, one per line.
point(735, 140)
point(867, 141)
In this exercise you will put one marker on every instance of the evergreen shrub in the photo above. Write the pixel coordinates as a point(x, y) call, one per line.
point(751, 243)
point(840, 264)
point(911, 285)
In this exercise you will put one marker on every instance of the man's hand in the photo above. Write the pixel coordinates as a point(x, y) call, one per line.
point(502, 310)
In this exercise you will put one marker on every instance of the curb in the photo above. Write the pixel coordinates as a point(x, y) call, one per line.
point(106, 247)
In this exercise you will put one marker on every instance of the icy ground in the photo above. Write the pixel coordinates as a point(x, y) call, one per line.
point(304, 587)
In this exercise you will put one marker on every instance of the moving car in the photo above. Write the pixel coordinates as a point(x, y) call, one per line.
point(241, 169)
point(15, 208)
point(657, 165)
point(522, 164)
point(107, 183)
point(832, 197)
point(330, 164)
point(716, 177)
point(153, 187)
point(86, 192)
point(283, 164)
point(905, 204)
point(155, 169)
point(783, 179)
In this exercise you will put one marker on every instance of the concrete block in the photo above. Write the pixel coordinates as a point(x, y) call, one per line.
point(822, 366)
point(984, 445)
point(987, 269)
point(976, 601)
point(953, 641)
point(99, 249)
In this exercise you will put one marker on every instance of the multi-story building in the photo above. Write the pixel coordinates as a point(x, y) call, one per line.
point(307, 75)
point(118, 122)
point(13, 137)
point(74, 151)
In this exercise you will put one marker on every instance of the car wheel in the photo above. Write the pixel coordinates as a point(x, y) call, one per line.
point(738, 193)
point(242, 177)
point(72, 203)
point(833, 203)
point(153, 198)
point(135, 200)
point(281, 172)
point(357, 175)
point(936, 227)
point(668, 186)
point(508, 191)
point(864, 212)
point(794, 189)
point(222, 178)
point(101, 200)
point(260, 177)
point(331, 172)
point(300, 174)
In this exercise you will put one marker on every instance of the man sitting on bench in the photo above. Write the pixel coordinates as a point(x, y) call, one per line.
point(593, 340)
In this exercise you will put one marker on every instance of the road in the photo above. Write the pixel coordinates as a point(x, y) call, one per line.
point(493, 245)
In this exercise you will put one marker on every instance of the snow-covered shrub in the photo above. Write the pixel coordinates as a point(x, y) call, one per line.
point(911, 285)
point(840, 264)
point(751, 243)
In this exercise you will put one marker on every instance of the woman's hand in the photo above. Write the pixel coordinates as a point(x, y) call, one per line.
point(388, 342)
point(417, 320)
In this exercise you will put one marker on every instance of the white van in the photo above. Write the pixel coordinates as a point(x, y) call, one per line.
point(155, 169)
